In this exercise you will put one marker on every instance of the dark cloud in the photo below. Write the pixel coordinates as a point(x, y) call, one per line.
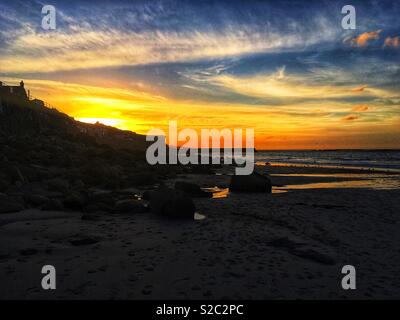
point(363, 39)
point(392, 42)
point(350, 117)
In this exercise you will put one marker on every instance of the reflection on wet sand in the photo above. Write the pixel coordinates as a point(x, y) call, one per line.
point(284, 182)
point(340, 180)
point(331, 167)
point(217, 192)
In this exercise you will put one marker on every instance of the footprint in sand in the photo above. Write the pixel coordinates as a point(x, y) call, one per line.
point(28, 252)
point(147, 289)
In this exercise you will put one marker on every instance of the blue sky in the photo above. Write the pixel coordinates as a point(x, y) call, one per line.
point(248, 58)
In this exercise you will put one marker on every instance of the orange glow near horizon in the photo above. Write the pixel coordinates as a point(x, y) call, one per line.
point(294, 75)
point(296, 126)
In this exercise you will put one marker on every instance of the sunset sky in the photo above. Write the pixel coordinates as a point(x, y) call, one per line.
point(285, 68)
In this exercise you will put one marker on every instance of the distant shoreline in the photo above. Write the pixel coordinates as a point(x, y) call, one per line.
point(327, 150)
point(354, 169)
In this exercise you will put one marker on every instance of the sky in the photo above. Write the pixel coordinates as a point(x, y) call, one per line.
point(285, 68)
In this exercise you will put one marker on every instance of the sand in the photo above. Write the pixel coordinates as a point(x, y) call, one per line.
point(291, 244)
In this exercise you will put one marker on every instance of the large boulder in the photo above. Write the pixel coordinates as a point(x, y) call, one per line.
point(171, 203)
point(254, 182)
point(192, 189)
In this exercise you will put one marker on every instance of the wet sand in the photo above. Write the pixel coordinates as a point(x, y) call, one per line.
point(283, 245)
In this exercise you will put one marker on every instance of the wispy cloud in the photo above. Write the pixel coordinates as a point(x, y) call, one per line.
point(140, 34)
point(280, 69)
point(33, 52)
point(291, 87)
point(360, 108)
point(363, 39)
point(392, 42)
point(360, 88)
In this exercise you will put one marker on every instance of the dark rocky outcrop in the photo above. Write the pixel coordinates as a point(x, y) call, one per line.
point(58, 184)
point(129, 206)
point(254, 182)
point(171, 203)
point(10, 204)
point(54, 162)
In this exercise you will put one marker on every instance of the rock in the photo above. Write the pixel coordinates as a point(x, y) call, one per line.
point(74, 201)
point(192, 189)
point(254, 182)
point(35, 199)
point(172, 203)
point(58, 184)
point(53, 204)
point(129, 206)
point(10, 204)
point(101, 196)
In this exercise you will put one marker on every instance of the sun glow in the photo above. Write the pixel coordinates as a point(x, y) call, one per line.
point(295, 124)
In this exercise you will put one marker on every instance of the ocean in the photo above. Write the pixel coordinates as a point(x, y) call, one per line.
point(371, 159)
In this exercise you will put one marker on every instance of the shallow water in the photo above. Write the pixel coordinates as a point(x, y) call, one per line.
point(378, 159)
point(374, 181)
point(217, 192)
point(371, 181)
point(220, 193)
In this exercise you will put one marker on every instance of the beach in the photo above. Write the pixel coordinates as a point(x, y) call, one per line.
point(228, 151)
point(288, 244)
